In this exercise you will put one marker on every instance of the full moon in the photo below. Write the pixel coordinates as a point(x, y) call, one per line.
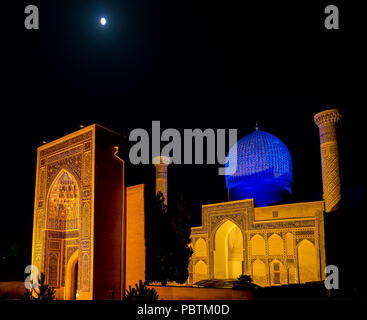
point(103, 21)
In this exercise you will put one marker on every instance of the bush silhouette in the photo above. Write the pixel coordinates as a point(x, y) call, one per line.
point(43, 292)
point(141, 292)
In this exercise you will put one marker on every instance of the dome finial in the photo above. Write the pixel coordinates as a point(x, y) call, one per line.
point(257, 126)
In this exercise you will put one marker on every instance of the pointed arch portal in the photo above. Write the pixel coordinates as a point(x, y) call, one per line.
point(228, 253)
point(63, 203)
point(62, 220)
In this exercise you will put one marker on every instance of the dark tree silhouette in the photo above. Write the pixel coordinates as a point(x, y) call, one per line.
point(167, 240)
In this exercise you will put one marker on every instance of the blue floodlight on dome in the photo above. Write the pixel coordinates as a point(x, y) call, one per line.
point(264, 169)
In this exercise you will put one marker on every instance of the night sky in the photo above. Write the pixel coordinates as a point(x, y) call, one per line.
point(189, 64)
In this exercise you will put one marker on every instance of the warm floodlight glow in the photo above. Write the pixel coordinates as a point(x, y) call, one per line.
point(103, 21)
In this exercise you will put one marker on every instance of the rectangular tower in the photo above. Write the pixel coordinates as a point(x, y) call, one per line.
point(79, 213)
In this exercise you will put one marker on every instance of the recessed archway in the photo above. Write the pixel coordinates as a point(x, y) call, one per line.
point(200, 248)
point(258, 245)
point(276, 246)
point(259, 275)
point(200, 271)
point(62, 215)
point(307, 269)
point(63, 204)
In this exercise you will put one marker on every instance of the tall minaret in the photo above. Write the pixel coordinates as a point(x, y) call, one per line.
point(161, 165)
point(326, 121)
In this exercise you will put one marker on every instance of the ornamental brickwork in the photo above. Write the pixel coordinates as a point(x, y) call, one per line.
point(62, 218)
point(288, 248)
point(326, 121)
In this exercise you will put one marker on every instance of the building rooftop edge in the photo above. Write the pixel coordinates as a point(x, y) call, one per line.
point(252, 200)
point(74, 134)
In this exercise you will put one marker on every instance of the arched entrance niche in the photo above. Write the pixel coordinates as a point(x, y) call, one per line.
point(259, 275)
point(228, 252)
point(257, 245)
point(62, 232)
point(63, 203)
point(276, 246)
point(307, 269)
point(200, 271)
point(200, 248)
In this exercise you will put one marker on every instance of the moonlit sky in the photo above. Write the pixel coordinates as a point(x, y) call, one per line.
point(189, 64)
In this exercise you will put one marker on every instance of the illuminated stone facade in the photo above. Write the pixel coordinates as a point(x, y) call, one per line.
point(81, 218)
point(88, 233)
point(275, 245)
point(135, 235)
point(326, 121)
point(63, 217)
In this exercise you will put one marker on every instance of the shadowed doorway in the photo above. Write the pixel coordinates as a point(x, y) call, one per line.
point(71, 277)
point(74, 283)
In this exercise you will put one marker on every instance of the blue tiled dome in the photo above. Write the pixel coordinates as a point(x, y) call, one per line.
point(264, 169)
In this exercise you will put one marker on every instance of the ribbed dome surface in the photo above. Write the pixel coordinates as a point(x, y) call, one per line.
point(264, 169)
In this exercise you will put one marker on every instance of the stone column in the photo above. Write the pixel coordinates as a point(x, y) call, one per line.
point(326, 121)
point(161, 170)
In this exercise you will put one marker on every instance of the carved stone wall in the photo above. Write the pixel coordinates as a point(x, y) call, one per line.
point(326, 121)
point(296, 222)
